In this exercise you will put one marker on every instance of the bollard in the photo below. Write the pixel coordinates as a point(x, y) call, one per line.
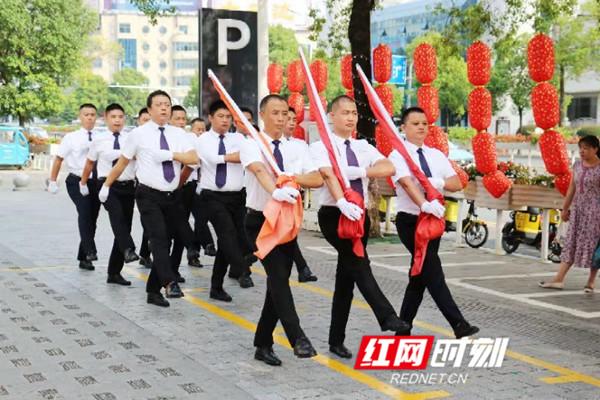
point(21, 180)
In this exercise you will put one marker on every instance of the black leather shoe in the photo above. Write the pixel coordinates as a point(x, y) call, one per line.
point(463, 329)
point(340, 350)
point(210, 250)
point(304, 349)
point(180, 279)
point(146, 262)
point(130, 256)
point(157, 299)
point(84, 264)
point(404, 332)
point(220, 294)
point(394, 324)
point(92, 257)
point(267, 355)
point(118, 279)
point(173, 291)
point(306, 275)
point(245, 282)
point(195, 262)
point(233, 276)
point(193, 253)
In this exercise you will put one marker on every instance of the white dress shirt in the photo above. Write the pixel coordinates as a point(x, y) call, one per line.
point(295, 162)
point(207, 147)
point(102, 150)
point(439, 166)
point(366, 154)
point(74, 148)
point(195, 168)
point(143, 141)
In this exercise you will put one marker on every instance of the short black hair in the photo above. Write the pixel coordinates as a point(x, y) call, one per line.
point(409, 111)
point(268, 98)
point(154, 94)
point(291, 109)
point(113, 106)
point(216, 106)
point(178, 108)
point(248, 110)
point(338, 100)
point(143, 111)
point(592, 141)
point(256, 127)
point(197, 119)
point(87, 105)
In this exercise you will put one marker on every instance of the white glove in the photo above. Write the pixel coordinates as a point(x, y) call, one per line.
point(433, 207)
point(52, 187)
point(355, 172)
point(103, 195)
point(437, 183)
point(162, 155)
point(83, 189)
point(285, 193)
point(350, 210)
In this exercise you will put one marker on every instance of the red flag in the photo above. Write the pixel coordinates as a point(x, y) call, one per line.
point(429, 227)
point(347, 229)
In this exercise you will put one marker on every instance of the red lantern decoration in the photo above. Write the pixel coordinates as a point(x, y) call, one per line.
point(496, 183)
point(296, 101)
point(484, 150)
point(480, 108)
point(299, 133)
point(545, 105)
point(425, 63)
point(462, 175)
point(313, 111)
point(554, 153)
point(437, 138)
point(318, 69)
point(295, 76)
point(346, 71)
point(387, 97)
point(382, 63)
point(383, 144)
point(479, 64)
point(562, 182)
point(540, 58)
point(427, 98)
point(274, 78)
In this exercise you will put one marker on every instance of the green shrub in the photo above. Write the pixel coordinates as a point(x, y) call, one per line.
point(527, 130)
point(565, 131)
point(461, 134)
point(589, 130)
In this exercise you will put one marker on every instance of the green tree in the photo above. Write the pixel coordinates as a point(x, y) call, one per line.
point(127, 89)
point(41, 47)
point(283, 46)
point(191, 99)
point(87, 88)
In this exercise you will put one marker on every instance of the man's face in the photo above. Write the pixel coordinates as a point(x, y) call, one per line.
point(239, 126)
point(115, 120)
point(87, 117)
point(199, 127)
point(291, 124)
point(160, 109)
point(220, 121)
point(142, 119)
point(344, 117)
point(275, 116)
point(415, 127)
point(178, 119)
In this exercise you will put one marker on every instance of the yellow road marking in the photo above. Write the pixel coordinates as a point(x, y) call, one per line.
point(330, 363)
point(565, 375)
point(27, 269)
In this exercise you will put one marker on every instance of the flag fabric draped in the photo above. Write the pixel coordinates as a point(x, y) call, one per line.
point(429, 227)
point(347, 229)
point(282, 220)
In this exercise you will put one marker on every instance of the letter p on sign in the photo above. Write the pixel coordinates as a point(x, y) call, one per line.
point(224, 44)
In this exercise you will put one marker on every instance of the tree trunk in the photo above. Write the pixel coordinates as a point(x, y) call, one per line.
point(22, 120)
point(520, 118)
point(561, 98)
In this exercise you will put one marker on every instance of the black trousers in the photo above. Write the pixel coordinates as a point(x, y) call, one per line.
point(201, 229)
point(119, 206)
point(88, 208)
point(299, 258)
point(279, 302)
point(431, 277)
point(144, 245)
point(161, 215)
point(187, 197)
point(350, 270)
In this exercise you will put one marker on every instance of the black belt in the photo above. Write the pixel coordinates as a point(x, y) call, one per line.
point(253, 211)
point(224, 193)
point(151, 189)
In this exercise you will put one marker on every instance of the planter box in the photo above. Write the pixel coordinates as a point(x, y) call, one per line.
point(517, 197)
point(40, 148)
point(476, 191)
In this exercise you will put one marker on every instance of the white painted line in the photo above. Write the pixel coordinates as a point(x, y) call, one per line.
point(371, 256)
point(551, 292)
point(532, 275)
point(531, 302)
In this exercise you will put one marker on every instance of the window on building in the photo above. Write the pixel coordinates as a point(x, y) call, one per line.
point(583, 107)
point(183, 29)
point(146, 64)
point(163, 81)
point(124, 28)
point(163, 65)
point(186, 46)
point(163, 47)
point(185, 64)
point(129, 59)
point(182, 80)
point(146, 29)
point(162, 30)
point(97, 63)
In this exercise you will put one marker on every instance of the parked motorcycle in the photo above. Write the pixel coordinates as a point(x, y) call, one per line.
point(474, 229)
point(525, 227)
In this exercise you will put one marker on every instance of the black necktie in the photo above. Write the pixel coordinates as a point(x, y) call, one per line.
point(277, 154)
point(116, 146)
point(89, 136)
point(423, 162)
point(95, 170)
point(221, 175)
point(355, 184)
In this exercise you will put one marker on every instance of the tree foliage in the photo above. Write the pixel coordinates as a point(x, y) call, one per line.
point(132, 99)
point(87, 88)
